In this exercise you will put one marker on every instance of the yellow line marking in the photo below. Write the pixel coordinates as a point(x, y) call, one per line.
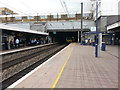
point(63, 67)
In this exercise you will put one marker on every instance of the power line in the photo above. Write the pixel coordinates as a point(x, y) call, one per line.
point(61, 2)
point(65, 5)
point(13, 8)
point(27, 6)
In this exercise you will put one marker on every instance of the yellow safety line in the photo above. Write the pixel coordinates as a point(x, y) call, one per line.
point(59, 75)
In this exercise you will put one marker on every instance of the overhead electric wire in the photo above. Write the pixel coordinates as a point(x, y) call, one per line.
point(64, 5)
point(27, 6)
point(61, 2)
point(13, 8)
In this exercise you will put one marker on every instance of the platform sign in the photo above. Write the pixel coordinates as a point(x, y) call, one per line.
point(93, 29)
point(54, 32)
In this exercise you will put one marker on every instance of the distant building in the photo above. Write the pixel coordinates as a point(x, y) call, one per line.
point(4, 11)
point(39, 18)
point(108, 13)
point(4, 15)
point(105, 9)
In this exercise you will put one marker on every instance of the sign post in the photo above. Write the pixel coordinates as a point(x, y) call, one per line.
point(81, 23)
point(97, 33)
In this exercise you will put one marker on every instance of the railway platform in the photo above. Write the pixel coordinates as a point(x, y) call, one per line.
point(22, 49)
point(74, 67)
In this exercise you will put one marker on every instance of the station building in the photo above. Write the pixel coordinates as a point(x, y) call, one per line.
point(9, 34)
point(4, 11)
point(39, 18)
point(64, 23)
point(114, 28)
point(59, 26)
point(107, 16)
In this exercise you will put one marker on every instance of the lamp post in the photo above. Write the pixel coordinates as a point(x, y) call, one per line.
point(6, 16)
point(37, 18)
point(96, 38)
point(81, 22)
point(50, 16)
point(57, 16)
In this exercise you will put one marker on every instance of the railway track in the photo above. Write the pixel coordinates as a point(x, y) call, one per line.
point(14, 69)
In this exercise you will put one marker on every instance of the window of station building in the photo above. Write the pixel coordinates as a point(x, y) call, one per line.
point(30, 17)
point(7, 13)
point(84, 15)
point(43, 17)
point(24, 17)
point(70, 15)
point(56, 16)
point(3, 12)
point(18, 18)
point(87, 14)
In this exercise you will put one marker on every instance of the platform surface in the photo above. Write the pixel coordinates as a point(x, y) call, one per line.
point(74, 67)
point(22, 48)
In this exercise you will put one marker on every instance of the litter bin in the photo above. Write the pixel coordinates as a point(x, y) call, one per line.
point(83, 43)
point(103, 48)
point(93, 44)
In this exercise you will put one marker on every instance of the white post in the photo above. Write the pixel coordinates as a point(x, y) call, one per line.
point(99, 44)
point(100, 39)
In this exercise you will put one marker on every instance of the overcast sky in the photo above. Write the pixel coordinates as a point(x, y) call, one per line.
point(44, 6)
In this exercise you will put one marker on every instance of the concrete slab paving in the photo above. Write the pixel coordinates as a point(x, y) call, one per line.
point(45, 76)
point(83, 70)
